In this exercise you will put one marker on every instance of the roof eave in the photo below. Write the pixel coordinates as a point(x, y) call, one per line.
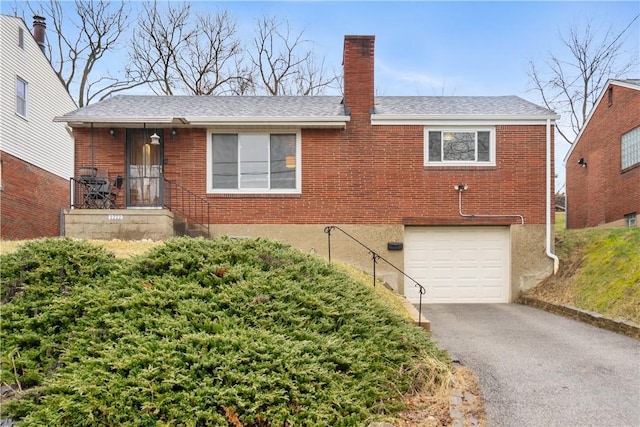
point(107, 121)
point(307, 122)
point(593, 109)
point(394, 119)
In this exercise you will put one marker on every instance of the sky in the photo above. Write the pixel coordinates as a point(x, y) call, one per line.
point(442, 48)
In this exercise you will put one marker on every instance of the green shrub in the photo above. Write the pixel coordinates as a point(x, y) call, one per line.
point(200, 332)
point(44, 292)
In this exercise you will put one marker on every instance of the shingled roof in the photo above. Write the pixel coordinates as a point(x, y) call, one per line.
point(327, 111)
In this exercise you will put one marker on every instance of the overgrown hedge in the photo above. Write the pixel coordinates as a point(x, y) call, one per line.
point(196, 332)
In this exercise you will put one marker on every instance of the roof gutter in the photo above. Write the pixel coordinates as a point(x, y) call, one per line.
point(554, 257)
point(306, 122)
point(409, 119)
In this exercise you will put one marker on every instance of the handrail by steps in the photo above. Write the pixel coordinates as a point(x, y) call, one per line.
point(375, 257)
point(184, 202)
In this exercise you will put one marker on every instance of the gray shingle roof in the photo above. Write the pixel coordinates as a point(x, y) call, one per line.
point(239, 109)
point(634, 82)
point(211, 106)
point(458, 106)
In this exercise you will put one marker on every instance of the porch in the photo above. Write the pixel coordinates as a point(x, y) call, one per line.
point(119, 224)
point(109, 213)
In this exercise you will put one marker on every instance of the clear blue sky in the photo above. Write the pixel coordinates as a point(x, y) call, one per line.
point(442, 48)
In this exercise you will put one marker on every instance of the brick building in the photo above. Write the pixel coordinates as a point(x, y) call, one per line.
point(456, 191)
point(36, 154)
point(603, 164)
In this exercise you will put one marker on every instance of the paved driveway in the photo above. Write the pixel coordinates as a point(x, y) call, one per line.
point(538, 369)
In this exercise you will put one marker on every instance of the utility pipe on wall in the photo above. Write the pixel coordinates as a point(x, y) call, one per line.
point(554, 257)
point(462, 187)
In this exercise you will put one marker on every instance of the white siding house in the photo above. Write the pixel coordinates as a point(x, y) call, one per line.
point(31, 95)
point(36, 153)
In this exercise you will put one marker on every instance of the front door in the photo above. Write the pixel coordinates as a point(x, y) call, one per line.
point(144, 168)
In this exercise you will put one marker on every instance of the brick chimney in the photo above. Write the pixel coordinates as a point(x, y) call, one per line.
point(39, 27)
point(358, 75)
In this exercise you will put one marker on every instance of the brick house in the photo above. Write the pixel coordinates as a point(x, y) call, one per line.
point(603, 164)
point(455, 191)
point(36, 154)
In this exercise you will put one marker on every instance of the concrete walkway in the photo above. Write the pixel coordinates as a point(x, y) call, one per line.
point(539, 369)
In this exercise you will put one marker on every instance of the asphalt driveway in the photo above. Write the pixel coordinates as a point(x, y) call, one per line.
point(539, 369)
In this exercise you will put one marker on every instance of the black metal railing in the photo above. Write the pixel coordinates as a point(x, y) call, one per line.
point(183, 202)
point(375, 257)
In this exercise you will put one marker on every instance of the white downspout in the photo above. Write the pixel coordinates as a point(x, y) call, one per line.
point(554, 257)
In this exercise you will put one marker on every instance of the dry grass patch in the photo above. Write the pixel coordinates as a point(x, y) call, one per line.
point(120, 248)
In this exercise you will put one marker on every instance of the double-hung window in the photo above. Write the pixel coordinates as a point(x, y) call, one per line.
point(452, 146)
point(254, 163)
point(21, 97)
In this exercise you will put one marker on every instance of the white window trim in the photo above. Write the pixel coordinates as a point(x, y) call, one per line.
point(26, 97)
point(297, 190)
point(632, 139)
point(492, 146)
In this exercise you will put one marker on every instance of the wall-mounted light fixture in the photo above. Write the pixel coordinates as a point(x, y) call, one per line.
point(112, 132)
point(174, 133)
point(155, 139)
point(582, 162)
point(460, 187)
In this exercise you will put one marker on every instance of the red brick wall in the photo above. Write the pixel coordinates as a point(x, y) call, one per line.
point(108, 153)
point(601, 192)
point(364, 174)
point(31, 200)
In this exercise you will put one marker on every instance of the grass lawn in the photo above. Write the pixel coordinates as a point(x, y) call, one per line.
point(599, 271)
point(197, 332)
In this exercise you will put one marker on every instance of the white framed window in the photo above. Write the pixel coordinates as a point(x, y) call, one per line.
point(630, 148)
point(253, 162)
point(21, 97)
point(631, 220)
point(20, 38)
point(459, 146)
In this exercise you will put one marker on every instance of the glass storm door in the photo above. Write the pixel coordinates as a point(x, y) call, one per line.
point(144, 168)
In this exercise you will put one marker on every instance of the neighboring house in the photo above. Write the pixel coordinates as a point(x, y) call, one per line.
point(603, 164)
point(455, 191)
point(36, 154)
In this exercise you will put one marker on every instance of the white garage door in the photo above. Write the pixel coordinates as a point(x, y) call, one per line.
point(457, 264)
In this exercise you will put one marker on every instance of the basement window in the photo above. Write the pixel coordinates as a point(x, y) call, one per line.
point(631, 220)
point(254, 163)
point(463, 147)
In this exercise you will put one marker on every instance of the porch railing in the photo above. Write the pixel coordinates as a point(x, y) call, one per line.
point(183, 202)
point(375, 257)
point(176, 198)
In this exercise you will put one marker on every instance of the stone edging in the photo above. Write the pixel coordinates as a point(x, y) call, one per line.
point(415, 315)
point(620, 326)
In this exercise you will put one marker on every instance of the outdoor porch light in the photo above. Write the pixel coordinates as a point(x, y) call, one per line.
point(112, 132)
point(582, 162)
point(155, 139)
point(174, 132)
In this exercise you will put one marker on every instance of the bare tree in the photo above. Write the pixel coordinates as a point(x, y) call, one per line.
point(282, 63)
point(183, 55)
point(571, 86)
point(172, 51)
point(79, 42)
